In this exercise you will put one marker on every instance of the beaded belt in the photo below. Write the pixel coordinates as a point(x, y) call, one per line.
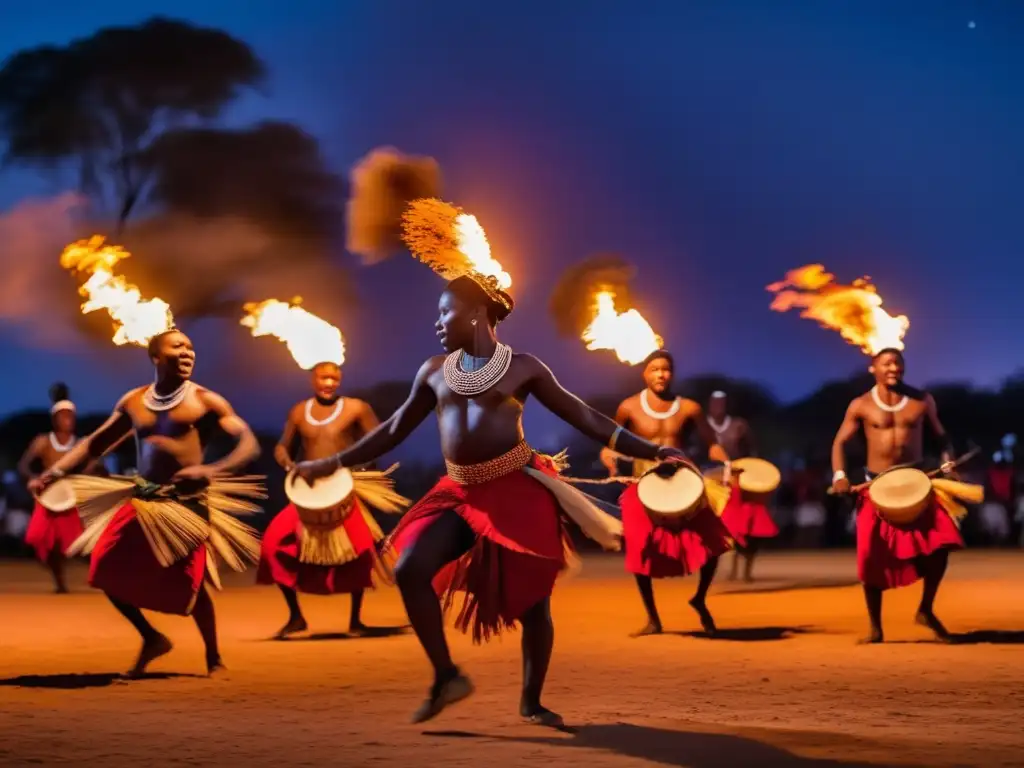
point(485, 471)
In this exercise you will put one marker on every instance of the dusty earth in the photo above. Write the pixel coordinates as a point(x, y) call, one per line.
point(786, 686)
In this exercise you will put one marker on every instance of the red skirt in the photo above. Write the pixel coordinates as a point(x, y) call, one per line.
point(748, 518)
point(520, 548)
point(886, 552)
point(660, 553)
point(123, 565)
point(50, 532)
point(279, 557)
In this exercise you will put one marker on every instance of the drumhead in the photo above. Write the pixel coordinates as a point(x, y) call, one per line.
point(758, 475)
point(671, 495)
point(327, 492)
point(902, 488)
point(58, 496)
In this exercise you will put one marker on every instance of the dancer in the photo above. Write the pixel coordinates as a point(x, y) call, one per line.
point(493, 527)
point(746, 515)
point(154, 551)
point(893, 415)
point(325, 424)
point(654, 551)
point(50, 532)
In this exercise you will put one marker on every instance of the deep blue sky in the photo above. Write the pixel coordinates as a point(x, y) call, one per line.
point(717, 143)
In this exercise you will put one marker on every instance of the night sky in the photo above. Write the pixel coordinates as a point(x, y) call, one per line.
point(716, 143)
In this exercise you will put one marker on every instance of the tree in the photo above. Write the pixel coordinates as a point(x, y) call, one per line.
point(100, 101)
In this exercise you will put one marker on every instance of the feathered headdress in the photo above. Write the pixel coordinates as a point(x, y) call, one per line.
point(453, 244)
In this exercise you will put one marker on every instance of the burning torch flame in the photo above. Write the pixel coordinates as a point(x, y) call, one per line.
point(853, 310)
point(310, 339)
point(472, 242)
point(628, 334)
point(136, 320)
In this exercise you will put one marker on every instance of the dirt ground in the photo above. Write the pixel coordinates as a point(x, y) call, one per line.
point(785, 686)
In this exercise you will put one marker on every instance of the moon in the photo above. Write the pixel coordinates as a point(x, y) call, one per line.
point(971, 25)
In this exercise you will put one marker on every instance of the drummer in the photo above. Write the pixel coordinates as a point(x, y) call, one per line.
point(494, 527)
point(652, 551)
point(163, 417)
point(51, 532)
point(746, 516)
point(324, 424)
point(893, 416)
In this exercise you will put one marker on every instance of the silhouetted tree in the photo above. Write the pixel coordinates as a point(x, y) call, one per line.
point(100, 101)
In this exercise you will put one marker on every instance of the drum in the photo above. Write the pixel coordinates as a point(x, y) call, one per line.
point(671, 493)
point(325, 505)
point(758, 478)
point(58, 497)
point(900, 495)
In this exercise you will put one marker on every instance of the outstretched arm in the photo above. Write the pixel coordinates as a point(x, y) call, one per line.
point(98, 444)
point(30, 455)
point(386, 436)
point(940, 431)
point(591, 422)
point(849, 427)
point(246, 449)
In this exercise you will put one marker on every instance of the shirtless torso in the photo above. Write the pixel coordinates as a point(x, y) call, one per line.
point(734, 435)
point(324, 430)
point(893, 428)
point(661, 422)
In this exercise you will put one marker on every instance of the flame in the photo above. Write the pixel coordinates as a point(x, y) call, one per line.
point(627, 334)
point(853, 310)
point(136, 320)
point(310, 340)
point(472, 242)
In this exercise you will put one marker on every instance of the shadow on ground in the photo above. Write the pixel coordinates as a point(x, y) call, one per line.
point(692, 749)
point(74, 681)
point(751, 634)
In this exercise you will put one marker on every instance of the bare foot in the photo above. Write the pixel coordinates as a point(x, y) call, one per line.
point(294, 626)
point(535, 714)
point(706, 620)
point(151, 649)
point(443, 694)
point(650, 628)
point(215, 667)
point(61, 590)
point(873, 638)
point(930, 620)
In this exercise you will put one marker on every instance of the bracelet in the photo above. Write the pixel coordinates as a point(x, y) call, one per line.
point(55, 473)
point(615, 437)
point(838, 475)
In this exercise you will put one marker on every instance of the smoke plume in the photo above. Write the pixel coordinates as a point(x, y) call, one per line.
point(383, 183)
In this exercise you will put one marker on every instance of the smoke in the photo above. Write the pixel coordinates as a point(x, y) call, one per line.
point(572, 300)
point(39, 300)
point(383, 183)
point(202, 267)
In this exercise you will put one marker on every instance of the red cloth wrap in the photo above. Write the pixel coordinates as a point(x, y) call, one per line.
point(123, 565)
point(50, 532)
point(279, 557)
point(886, 552)
point(660, 553)
point(521, 546)
point(747, 517)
